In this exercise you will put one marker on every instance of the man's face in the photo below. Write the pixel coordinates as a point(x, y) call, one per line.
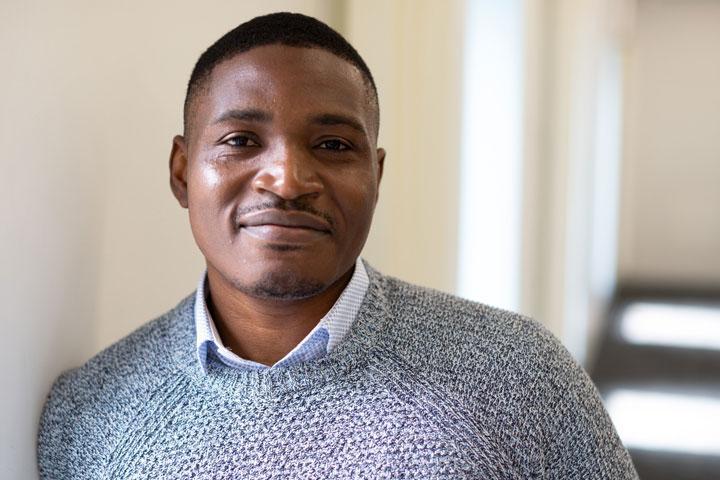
point(280, 170)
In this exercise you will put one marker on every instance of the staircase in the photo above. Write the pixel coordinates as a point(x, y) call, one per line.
point(664, 398)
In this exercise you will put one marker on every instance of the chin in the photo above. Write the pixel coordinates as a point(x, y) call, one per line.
point(282, 285)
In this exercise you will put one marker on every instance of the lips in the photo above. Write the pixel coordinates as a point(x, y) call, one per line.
point(284, 226)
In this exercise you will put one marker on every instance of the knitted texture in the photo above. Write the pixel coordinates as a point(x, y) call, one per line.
point(424, 386)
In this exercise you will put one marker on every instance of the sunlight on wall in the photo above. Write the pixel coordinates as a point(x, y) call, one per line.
point(491, 174)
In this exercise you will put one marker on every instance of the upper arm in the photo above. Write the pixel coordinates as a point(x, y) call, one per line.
point(580, 437)
point(71, 443)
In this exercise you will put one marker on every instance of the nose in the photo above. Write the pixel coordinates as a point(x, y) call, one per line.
point(289, 173)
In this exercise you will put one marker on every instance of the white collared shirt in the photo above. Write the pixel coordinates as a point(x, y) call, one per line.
point(329, 331)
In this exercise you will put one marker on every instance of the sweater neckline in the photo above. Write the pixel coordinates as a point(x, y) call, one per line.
point(258, 385)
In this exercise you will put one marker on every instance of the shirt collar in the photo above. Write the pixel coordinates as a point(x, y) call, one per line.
point(329, 331)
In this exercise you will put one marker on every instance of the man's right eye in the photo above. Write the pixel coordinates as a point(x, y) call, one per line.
point(241, 141)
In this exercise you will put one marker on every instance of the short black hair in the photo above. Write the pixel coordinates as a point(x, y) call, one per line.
point(283, 28)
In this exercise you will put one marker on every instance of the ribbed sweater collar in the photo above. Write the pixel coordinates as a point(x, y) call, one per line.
point(352, 352)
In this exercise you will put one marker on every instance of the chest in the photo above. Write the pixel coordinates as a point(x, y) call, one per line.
point(369, 431)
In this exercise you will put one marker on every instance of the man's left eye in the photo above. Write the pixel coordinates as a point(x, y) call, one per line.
point(334, 145)
point(241, 141)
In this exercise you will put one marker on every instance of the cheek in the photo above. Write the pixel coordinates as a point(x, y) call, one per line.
point(210, 195)
point(358, 203)
point(210, 177)
point(204, 186)
point(212, 186)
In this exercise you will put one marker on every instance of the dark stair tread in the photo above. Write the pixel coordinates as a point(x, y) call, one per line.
point(623, 362)
point(657, 465)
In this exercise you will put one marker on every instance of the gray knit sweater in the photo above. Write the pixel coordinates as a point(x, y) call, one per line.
point(424, 386)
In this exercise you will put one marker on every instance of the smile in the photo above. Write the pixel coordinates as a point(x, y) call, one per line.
point(284, 226)
point(283, 234)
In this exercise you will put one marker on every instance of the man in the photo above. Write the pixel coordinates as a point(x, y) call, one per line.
point(295, 359)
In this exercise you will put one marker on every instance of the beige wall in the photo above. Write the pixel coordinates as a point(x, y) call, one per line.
point(414, 49)
point(671, 193)
point(52, 212)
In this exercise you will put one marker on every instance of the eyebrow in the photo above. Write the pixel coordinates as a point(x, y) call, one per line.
point(335, 119)
point(246, 115)
point(261, 116)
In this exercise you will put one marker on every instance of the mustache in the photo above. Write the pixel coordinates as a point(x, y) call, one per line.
point(285, 205)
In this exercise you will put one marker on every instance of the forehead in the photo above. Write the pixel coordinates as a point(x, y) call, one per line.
point(285, 80)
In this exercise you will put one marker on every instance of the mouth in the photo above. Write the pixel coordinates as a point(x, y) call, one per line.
point(281, 226)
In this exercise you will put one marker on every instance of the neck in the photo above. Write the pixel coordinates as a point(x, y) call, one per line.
point(264, 330)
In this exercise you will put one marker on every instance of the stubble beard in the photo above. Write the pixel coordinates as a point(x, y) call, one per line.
point(282, 286)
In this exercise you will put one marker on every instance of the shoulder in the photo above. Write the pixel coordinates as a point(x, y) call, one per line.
point(459, 329)
point(90, 405)
point(486, 355)
point(141, 358)
point(510, 371)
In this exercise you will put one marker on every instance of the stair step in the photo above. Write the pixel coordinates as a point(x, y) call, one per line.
point(623, 362)
point(652, 465)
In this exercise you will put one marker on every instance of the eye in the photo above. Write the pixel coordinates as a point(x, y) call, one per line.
point(241, 141)
point(334, 144)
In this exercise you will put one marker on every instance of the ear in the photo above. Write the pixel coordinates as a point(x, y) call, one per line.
point(178, 170)
point(381, 165)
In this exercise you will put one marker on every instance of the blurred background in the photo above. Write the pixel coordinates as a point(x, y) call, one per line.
point(556, 157)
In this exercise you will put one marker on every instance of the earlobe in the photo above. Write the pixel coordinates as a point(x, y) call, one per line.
point(178, 170)
point(381, 165)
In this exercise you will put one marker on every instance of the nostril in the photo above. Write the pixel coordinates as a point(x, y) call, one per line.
point(288, 179)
